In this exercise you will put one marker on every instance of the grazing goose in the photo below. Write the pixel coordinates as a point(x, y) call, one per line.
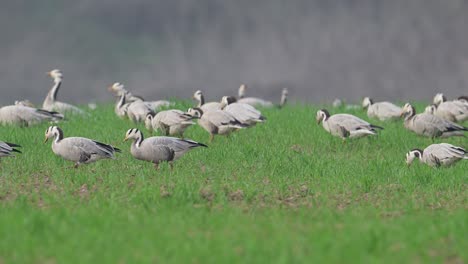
point(7, 149)
point(170, 122)
point(137, 111)
point(50, 103)
point(157, 149)
point(381, 110)
point(26, 116)
point(430, 125)
point(118, 89)
point(245, 113)
point(77, 149)
point(437, 155)
point(345, 125)
point(448, 111)
point(205, 107)
point(216, 122)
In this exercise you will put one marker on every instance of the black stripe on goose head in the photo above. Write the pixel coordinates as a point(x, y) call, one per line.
point(417, 152)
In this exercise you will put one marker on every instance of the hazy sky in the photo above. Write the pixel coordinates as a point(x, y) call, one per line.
point(396, 50)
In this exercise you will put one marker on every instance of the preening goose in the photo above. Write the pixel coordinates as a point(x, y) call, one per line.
point(345, 125)
point(7, 149)
point(51, 104)
point(118, 89)
point(170, 122)
point(78, 149)
point(381, 110)
point(158, 149)
point(217, 122)
point(428, 125)
point(205, 107)
point(245, 113)
point(437, 155)
point(26, 116)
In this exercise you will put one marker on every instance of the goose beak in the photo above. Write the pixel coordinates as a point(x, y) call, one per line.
point(45, 140)
point(110, 88)
point(125, 139)
point(49, 73)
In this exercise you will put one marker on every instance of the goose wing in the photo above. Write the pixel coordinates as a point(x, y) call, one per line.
point(244, 112)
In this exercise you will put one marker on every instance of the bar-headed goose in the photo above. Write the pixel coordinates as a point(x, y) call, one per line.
point(381, 110)
point(451, 112)
point(253, 101)
point(428, 125)
point(245, 113)
point(345, 125)
point(217, 122)
point(158, 149)
point(51, 104)
point(463, 99)
point(170, 122)
point(26, 116)
point(137, 111)
point(437, 155)
point(7, 149)
point(118, 89)
point(205, 107)
point(78, 149)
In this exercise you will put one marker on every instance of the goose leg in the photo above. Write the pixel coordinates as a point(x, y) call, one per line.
point(76, 165)
point(171, 164)
point(211, 138)
point(156, 165)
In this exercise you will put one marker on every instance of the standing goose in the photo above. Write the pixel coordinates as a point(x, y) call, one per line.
point(216, 122)
point(258, 102)
point(118, 89)
point(50, 102)
point(78, 149)
point(170, 122)
point(437, 155)
point(428, 125)
point(158, 149)
point(22, 115)
point(381, 110)
point(245, 113)
point(121, 106)
point(7, 149)
point(205, 107)
point(345, 125)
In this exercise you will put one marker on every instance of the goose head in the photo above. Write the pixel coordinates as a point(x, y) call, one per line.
point(366, 102)
point(322, 115)
point(413, 154)
point(117, 88)
point(227, 100)
point(439, 98)
point(408, 111)
point(430, 109)
point(133, 134)
point(53, 132)
point(195, 112)
point(242, 90)
point(284, 96)
point(56, 74)
point(149, 122)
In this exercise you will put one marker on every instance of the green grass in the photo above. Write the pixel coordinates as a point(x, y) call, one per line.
point(282, 192)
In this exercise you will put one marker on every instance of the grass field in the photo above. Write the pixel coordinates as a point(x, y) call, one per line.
point(282, 192)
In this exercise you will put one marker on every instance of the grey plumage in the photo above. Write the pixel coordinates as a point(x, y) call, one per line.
point(245, 113)
point(170, 122)
point(437, 155)
point(7, 149)
point(26, 116)
point(216, 122)
point(430, 125)
point(158, 149)
point(381, 110)
point(51, 104)
point(78, 149)
point(205, 107)
point(345, 125)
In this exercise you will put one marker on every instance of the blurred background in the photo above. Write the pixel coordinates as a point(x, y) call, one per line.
point(393, 50)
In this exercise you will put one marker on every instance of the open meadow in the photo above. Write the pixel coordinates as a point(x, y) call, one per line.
point(285, 191)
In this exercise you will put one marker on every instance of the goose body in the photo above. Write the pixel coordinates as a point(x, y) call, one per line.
point(381, 110)
point(437, 155)
point(51, 104)
point(158, 149)
point(216, 122)
point(245, 113)
point(170, 122)
point(453, 111)
point(345, 125)
point(7, 149)
point(118, 89)
point(137, 111)
point(428, 125)
point(26, 116)
point(78, 149)
point(205, 107)
point(253, 101)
